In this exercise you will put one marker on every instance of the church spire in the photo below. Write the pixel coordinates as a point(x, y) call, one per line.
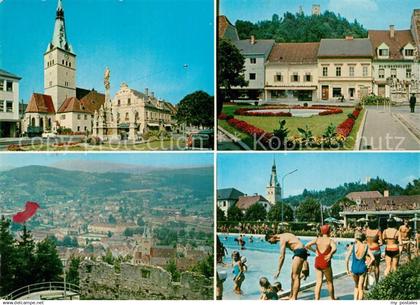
point(59, 39)
point(273, 178)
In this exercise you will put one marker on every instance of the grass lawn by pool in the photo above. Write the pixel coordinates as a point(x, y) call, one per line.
point(317, 124)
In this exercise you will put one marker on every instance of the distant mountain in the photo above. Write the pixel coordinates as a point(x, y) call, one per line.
point(49, 185)
point(103, 167)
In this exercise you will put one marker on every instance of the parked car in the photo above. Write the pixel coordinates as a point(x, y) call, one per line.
point(201, 139)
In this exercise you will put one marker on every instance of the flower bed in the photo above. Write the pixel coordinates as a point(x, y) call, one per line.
point(345, 128)
point(249, 129)
point(251, 111)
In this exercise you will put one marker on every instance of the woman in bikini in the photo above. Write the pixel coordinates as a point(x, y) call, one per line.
point(325, 249)
point(374, 241)
point(359, 251)
point(392, 238)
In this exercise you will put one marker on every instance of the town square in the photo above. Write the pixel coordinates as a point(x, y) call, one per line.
point(94, 96)
point(310, 79)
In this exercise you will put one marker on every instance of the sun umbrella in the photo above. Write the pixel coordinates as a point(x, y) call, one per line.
point(330, 219)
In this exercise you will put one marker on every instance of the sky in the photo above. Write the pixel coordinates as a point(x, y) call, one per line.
point(372, 14)
point(173, 160)
point(145, 43)
point(250, 173)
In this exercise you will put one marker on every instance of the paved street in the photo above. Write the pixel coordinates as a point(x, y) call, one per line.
point(384, 130)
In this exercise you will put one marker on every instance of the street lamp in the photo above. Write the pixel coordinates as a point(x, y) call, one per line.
point(282, 192)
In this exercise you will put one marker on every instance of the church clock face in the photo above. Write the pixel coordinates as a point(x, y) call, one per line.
point(66, 56)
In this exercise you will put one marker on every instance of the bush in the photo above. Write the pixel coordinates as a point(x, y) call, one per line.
point(94, 141)
point(375, 100)
point(402, 284)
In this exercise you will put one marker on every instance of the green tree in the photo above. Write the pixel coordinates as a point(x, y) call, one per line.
point(230, 69)
point(196, 109)
point(73, 272)
point(47, 263)
point(234, 214)
point(205, 266)
point(413, 188)
point(309, 210)
point(172, 269)
point(8, 262)
point(111, 219)
point(220, 215)
point(256, 212)
point(275, 212)
point(25, 256)
point(108, 258)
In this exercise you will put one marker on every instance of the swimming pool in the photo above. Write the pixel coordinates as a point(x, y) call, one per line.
point(262, 260)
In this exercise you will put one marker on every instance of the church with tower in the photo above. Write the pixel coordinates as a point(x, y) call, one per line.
point(63, 106)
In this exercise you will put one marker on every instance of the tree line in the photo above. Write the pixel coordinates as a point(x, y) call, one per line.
point(301, 28)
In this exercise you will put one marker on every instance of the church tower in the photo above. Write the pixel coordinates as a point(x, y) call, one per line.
point(273, 188)
point(59, 63)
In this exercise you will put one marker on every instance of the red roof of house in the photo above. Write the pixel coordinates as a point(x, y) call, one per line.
point(298, 53)
point(72, 104)
point(244, 202)
point(400, 40)
point(93, 101)
point(40, 103)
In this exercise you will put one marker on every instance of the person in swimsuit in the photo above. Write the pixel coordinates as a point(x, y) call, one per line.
point(392, 238)
point(288, 240)
point(358, 252)
point(325, 249)
point(267, 291)
point(405, 231)
point(238, 273)
point(374, 241)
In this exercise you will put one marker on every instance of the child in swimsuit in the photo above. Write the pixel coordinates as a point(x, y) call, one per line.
point(238, 272)
point(267, 291)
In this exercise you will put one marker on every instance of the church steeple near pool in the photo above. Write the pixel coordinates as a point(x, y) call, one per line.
point(273, 187)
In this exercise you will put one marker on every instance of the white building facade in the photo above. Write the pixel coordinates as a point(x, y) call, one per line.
point(9, 104)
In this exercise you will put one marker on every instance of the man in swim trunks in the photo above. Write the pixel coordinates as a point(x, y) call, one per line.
point(405, 231)
point(290, 241)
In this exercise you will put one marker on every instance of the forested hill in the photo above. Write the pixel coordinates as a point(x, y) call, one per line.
point(331, 195)
point(301, 28)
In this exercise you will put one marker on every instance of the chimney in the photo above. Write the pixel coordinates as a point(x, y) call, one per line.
point(146, 91)
point(386, 193)
point(391, 31)
point(252, 39)
point(349, 37)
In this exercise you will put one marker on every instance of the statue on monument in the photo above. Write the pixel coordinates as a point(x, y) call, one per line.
point(107, 77)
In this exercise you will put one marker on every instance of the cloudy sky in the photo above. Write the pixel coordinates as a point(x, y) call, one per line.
point(373, 14)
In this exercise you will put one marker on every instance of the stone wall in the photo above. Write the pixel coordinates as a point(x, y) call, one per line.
point(100, 281)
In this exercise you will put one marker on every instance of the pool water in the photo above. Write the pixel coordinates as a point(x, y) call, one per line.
point(262, 260)
point(305, 113)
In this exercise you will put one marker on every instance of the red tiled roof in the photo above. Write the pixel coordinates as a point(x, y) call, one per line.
point(93, 101)
point(298, 53)
point(40, 103)
point(363, 195)
point(223, 25)
point(401, 38)
point(244, 202)
point(72, 104)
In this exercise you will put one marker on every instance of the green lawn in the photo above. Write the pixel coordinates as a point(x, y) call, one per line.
point(317, 124)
